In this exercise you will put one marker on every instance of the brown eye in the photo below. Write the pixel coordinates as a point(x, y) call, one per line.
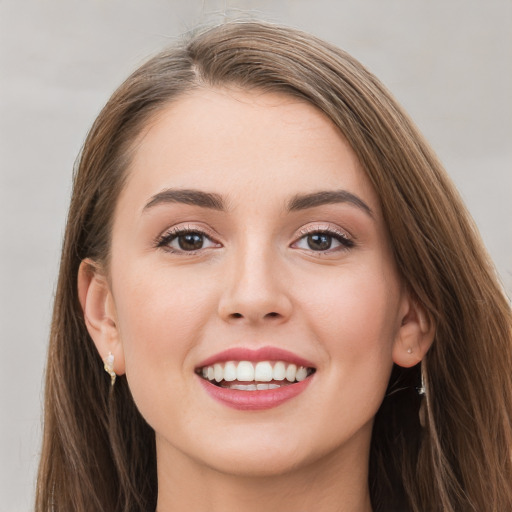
point(184, 240)
point(324, 241)
point(190, 241)
point(319, 241)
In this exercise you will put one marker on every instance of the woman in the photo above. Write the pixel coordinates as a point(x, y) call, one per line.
point(292, 306)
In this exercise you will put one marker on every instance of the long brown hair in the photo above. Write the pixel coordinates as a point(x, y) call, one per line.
point(99, 453)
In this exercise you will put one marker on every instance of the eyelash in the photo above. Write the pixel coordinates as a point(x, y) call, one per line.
point(165, 240)
point(346, 243)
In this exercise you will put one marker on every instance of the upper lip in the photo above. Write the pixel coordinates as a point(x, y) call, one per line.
point(261, 354)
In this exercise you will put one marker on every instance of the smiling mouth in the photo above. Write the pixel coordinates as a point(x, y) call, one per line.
point(249, 376)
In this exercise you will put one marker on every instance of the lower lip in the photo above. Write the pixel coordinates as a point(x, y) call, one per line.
point(254, 400)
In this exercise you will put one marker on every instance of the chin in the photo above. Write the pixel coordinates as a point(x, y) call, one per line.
point(273, 454)
point(254, 463)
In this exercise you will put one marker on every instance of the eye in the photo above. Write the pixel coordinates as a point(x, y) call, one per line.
point(186, 240)
point(324, 240)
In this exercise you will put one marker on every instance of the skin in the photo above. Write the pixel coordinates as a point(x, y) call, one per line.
point(256, 282)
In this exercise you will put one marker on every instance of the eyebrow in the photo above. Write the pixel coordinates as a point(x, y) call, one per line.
point(187, 196)
point(216, 201)
point(305, 201)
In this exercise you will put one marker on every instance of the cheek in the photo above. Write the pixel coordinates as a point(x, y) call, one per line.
point(354, 316)
point(161, 315)
point(356, 311)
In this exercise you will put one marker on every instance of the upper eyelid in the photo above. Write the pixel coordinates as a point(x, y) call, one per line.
point(188, 228)
point(326, 228)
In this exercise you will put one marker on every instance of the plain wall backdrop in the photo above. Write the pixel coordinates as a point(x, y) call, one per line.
point(449, 62)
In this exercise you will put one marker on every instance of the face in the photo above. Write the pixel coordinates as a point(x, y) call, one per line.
point(247, 231)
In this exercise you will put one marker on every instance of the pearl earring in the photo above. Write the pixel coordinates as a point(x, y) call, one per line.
point(109, 367)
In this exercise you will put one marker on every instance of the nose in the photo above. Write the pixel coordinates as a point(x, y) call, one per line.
point(255, 290)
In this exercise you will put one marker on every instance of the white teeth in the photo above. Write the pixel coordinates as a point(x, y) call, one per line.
point(218, 372)
point(245, 371)
point(253, 387)
point(230, 371)
point(290, 373)
point(244, 387)
point(279, 372)
point(261, 372)
point(301, 374)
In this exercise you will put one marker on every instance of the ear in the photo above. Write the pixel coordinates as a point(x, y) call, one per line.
point(415, 334)
point(98, 307)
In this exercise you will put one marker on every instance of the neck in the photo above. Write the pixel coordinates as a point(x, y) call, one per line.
point(338, 483)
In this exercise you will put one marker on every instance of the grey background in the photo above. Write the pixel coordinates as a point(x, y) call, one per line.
point(449, 62)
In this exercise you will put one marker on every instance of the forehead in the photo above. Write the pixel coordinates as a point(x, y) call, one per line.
point(226, 140)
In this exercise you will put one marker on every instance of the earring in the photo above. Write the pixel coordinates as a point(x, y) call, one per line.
point(422, 391)
point(109, 367)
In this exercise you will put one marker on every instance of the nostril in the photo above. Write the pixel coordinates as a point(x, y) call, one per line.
point(272, 314)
